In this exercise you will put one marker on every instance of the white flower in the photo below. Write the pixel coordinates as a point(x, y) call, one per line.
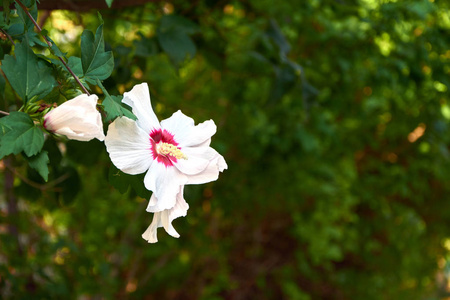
point(173, 153)
point(78, 119)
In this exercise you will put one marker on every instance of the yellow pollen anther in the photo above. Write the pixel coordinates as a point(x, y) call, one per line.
point(169, 149)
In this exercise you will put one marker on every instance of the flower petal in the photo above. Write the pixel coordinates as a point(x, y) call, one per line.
point(78, 119)
point(185, 132)
point(165, 218)
point(211, 172)
point(139, 101)
point(197, 160)
point(128, 146)
point(165, 183)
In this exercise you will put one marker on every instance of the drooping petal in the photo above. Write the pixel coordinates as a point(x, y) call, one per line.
point(211, 172)
point(186, 133)
point(139, 101)
point(165, 218)
point(165, 183)
point(78, 119)
point(128, 146)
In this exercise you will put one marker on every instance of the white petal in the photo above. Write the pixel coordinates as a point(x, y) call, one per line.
point(165, 183)
point(78, 119)
point(197, 160)
point(185, 132)
point(211, 172)
point(128, 146)
point(150, 233)
point(165, 218)
point(139, 101)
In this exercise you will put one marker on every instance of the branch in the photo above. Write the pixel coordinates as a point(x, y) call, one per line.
point(8, 36)
point(83, 5)
point(25, 9)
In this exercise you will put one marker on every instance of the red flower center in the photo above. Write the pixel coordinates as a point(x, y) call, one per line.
point(164, 147)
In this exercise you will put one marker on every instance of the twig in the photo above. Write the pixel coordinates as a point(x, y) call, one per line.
point(8, 36)
point(50, 46)
point(4, 113)
point(43, 187)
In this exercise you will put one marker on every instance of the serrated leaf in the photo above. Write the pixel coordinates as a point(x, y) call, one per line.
point(24, 135)
point(96, 63)
point(32, 10)
point(28, 75)
point(39, 162)
point(33, 38)
point(113, 106)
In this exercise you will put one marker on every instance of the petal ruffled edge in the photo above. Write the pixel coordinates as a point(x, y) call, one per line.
point(165, 218)
point(186, 134)
point(211, 173)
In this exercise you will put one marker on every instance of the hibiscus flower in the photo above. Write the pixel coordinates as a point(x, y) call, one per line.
point(78, 119)
point(173, 153)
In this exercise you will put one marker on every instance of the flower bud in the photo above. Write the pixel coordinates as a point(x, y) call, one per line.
point(78, 119)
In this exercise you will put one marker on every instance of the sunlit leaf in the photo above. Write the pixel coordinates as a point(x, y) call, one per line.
point(28, 75)
point(23, 135)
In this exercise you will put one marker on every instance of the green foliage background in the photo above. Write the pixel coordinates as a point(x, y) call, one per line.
point(333, 117)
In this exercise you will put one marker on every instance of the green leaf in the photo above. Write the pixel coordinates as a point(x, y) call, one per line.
point(113, 106)
point(39, 162)
point(123, 182)
point(24, 135)
point(4, 128)
point(109, 3)
point(173, 36)
point(145, 47)
point(96, 63)
point(74, 64)
point(2, 89)
point(28, 75)
point(177, 45)
point(54, 49)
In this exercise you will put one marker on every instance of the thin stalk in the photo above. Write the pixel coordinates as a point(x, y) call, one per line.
point(8, 36)
point(25, 9)
point(4, 113)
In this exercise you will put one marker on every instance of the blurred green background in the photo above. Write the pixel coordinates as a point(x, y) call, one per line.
point(333, 117)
